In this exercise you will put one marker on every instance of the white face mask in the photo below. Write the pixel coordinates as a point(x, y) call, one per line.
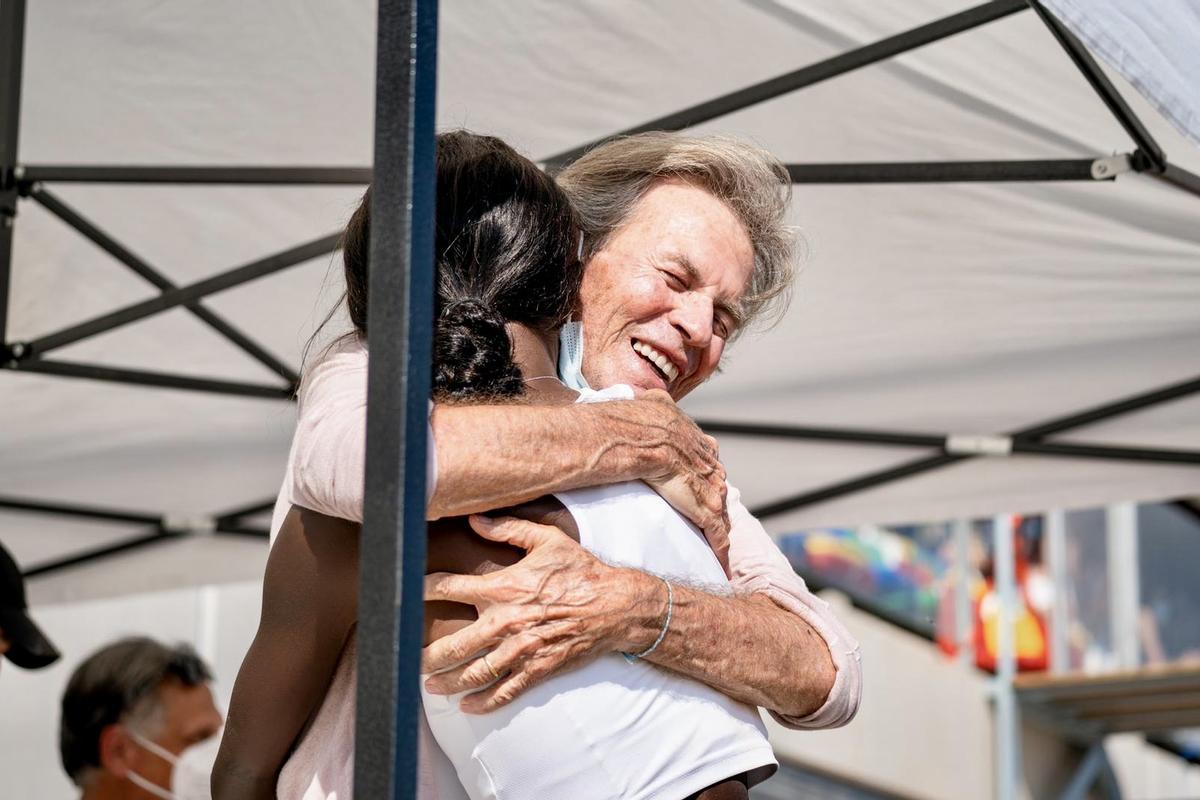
point(191, 770)
point(570, 356)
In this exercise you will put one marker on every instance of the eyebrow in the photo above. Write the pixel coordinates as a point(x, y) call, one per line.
point(736, 311)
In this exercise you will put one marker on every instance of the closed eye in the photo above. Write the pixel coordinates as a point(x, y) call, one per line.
point(675, 281)
point(722, 325)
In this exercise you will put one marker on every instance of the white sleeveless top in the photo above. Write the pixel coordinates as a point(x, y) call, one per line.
point(612, 729)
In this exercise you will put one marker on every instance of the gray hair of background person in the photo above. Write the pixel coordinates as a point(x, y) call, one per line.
point(608, 181)
point(119, 684)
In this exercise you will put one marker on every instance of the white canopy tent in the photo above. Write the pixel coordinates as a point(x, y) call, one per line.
point(926, 309)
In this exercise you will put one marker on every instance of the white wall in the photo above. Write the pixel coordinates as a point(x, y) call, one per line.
point(219, 621)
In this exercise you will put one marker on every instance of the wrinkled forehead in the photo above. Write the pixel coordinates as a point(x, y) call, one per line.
point(674, 214)
point(690, 226)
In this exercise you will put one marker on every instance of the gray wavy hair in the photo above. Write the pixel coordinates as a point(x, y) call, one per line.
point(608, 181)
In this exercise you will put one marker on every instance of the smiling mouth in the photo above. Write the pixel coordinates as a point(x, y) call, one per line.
point(657, 360)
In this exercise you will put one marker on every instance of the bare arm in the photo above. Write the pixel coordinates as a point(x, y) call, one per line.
point(560, 605)
point(488, 456)
point(495, 456)
point(743, 645)
point(310, 604)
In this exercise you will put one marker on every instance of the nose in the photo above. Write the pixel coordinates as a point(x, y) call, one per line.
point(693, 318)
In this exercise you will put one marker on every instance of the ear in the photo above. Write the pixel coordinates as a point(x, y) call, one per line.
point(117, 750)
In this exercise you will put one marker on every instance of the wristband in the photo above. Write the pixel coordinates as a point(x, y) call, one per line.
point(630, 657)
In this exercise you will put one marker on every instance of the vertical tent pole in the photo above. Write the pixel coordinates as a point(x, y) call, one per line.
point(1007, 725)
point(1056, 564)
point(400, 324)
point(12, 45)
point(1123, 592)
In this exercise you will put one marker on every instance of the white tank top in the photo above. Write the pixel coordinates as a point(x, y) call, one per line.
point(612, 729)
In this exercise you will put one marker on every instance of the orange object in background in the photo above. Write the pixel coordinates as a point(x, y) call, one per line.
point(1031, 641)
point(1031, 637)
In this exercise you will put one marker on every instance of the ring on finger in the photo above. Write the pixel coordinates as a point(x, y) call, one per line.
point(491, 669)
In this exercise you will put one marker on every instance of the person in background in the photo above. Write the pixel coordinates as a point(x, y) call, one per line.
point(139, 722)
point(21, 641)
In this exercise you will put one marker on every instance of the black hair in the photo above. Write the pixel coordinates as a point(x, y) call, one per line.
point(110, 684)
point(505, 250)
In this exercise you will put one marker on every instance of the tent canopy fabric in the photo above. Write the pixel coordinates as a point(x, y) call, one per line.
point(1151, 46)
point(932, 308)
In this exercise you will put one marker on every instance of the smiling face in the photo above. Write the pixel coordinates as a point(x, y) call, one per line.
point(662, 296)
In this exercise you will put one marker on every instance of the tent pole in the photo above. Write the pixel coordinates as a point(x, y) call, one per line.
point(12, 46)
point(1007, 720)
point(74, 510)
point(811, 74)
point(134, 377)
point(92, 233)
point(255, 176)
point(87, 556)
point(1103, 86)
point(1031, 435)
point(941, 442)
point(1124, 594)
point(247, 510)
point(400, 308)
point(1077, 169)
point(1125, 405)
point(1060, 574)
point(185, 295)
point(1180, 178)
point(905, 470)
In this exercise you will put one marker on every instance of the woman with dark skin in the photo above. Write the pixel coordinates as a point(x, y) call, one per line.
point(497, 322)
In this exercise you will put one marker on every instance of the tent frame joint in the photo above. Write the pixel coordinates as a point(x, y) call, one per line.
point(1109, 167)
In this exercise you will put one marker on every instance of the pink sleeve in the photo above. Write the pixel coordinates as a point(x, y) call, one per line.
point(758, 566)
point(329, 447)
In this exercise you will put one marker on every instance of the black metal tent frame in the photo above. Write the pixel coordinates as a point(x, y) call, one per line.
point(405, 93)
point(29, 182)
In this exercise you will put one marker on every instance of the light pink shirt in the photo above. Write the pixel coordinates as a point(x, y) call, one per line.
point(326, 475)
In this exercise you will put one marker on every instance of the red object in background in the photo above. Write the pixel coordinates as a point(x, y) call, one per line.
point(1030, 629)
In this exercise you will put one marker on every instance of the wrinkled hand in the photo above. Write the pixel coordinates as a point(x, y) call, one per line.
point(694, 482)
point(556, 607)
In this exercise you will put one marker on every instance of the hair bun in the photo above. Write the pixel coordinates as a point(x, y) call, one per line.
point(472, 349)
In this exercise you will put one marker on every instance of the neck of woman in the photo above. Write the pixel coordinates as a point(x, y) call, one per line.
point(536, 354)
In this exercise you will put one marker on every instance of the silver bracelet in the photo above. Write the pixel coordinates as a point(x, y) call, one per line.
point(630, 657)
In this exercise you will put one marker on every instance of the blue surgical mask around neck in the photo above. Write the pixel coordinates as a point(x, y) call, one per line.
point(570, 356)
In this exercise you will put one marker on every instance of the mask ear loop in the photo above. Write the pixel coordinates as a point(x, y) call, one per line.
point(153, 747)
point(579, 258)
point(161, 752)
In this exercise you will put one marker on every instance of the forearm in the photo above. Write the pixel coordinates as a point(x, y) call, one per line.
point(494, 456)
point(744, 645)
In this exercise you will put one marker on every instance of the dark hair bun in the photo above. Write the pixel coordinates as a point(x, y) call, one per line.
point(472, 349)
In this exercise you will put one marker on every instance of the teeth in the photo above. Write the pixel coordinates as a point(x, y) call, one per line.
point(662, 362)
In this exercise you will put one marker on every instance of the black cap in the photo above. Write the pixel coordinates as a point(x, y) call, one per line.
point(28, 646)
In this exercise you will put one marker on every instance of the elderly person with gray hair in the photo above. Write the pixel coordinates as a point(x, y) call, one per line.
point(684, 245)
point(138, 722)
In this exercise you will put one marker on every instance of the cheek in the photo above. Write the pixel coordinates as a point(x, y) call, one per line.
point(705, 370)
point(711, 360)
point(608, 302)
